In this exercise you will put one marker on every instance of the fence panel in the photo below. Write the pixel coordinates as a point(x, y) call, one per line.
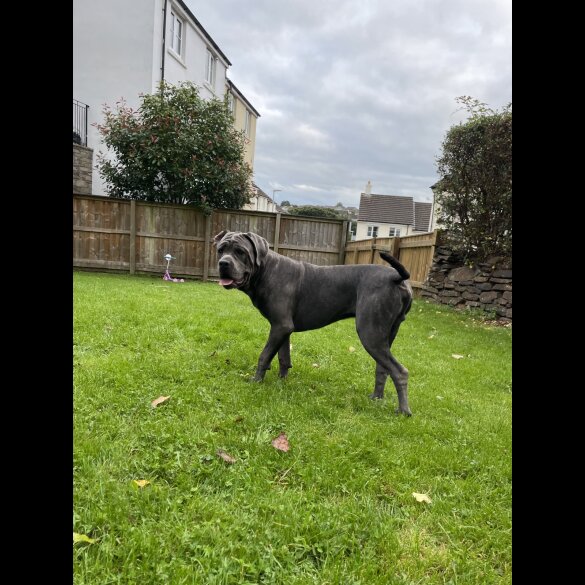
point(118, 234)
point(101, 233)
point(175, 230)
point(414, 252)
point(311, 240)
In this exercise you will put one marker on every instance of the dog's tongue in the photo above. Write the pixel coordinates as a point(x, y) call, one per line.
point(225, 281)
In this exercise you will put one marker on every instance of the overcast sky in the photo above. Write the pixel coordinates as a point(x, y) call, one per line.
point(351, 90)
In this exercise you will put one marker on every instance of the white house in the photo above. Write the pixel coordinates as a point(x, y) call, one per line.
point(122, 48)
point(383, 216)
point(260, 201)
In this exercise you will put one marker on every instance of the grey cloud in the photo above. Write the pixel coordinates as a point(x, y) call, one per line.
point(356, 90)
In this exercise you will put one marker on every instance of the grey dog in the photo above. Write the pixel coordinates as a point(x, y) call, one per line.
point(298, 296)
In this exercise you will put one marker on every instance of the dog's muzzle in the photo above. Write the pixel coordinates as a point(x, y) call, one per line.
point(225, 278)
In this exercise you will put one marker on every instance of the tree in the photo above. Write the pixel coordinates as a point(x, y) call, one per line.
point(175, 148)
point(285, 203)
point(474, 193)
point(314, 211)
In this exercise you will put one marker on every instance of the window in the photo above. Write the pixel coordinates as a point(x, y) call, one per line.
point(176, 33)
point(248, 123)
point(394, 232)
point(372, 231)
point(210, 68)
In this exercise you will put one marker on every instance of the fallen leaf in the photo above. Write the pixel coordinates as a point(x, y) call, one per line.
point(351, 349)
point(141, 482)
point(421, 498)
point(225, 456)
point(315, 365)
point(281, 442)
point(456, 356)
point(82, 538)
point(431, 336)
point(439, 398)
point(159, 400)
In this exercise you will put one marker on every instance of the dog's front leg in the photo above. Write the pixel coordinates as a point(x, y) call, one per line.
point(284, 357)
point(279, 334)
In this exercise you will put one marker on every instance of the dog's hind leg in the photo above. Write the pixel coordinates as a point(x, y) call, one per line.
point(284, 357)
point(387, 364)
point(381, 375)
point(377, 344)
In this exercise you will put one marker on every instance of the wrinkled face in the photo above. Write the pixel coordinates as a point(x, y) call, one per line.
point(235, 257)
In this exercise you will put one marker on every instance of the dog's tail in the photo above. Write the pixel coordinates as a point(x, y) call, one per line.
point(404, 274)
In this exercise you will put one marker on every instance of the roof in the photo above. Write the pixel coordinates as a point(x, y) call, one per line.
point(386, 209)
point(233, 87)
point(422, 216)
point(205, 33)
point(261, 193)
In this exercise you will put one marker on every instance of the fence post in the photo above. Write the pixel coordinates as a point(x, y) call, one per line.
point(396, 248)
point(207, 245)
point(373, 250)
point(342, 242)
point(132, 236)
point(277, 232)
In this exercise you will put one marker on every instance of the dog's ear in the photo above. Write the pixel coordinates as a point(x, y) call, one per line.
point(260, 246)
point(219, 237)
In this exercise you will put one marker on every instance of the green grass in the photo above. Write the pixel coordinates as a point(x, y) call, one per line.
point(338, 507)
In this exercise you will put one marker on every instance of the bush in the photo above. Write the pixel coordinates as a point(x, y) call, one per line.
point(474, 194)
point(176, 148)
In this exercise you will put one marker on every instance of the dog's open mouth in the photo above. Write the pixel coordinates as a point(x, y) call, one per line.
point(230, 282)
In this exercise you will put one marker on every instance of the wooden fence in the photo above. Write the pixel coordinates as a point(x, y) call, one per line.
point(134, 236)
point(414, 252)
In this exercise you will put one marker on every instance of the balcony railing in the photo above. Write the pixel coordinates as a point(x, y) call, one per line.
point(80, 122)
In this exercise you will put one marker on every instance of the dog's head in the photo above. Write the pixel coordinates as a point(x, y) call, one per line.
point(239, 255)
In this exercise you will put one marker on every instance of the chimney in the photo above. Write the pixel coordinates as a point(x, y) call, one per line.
point(369, 188)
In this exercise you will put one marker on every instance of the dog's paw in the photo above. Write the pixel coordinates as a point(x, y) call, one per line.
point(404, 411)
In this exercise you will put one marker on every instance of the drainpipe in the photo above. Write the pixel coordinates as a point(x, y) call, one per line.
point(164, 35)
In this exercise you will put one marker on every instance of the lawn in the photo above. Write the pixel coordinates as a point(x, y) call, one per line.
point(338, 507)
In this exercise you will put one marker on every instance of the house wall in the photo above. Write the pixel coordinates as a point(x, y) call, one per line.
point(117, 54)
point(435, 215)
point(191, 66)
point(362, 229)
point(240, 124)
point(260, 204)
point(112, 58)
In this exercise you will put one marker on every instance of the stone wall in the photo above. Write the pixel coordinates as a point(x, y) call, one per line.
point(487, 285)
point(82, 169)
